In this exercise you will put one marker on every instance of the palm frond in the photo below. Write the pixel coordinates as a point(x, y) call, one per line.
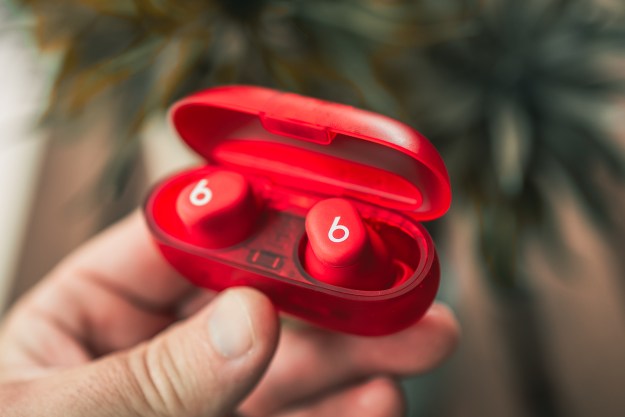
point(524, 90)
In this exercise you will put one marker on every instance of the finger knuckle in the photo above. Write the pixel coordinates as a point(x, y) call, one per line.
point(387, 398)
point(160, 380)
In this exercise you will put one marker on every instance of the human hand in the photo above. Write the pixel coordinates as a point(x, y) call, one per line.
point(114, 331)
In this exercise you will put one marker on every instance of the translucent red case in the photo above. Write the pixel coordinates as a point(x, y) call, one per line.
point(296, 151)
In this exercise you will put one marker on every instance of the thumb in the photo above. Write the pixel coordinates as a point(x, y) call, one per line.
point(203, 366)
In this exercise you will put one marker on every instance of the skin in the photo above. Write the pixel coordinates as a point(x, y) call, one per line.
point(114, 331)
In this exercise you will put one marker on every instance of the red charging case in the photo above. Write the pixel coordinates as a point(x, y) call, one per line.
point(296, 151)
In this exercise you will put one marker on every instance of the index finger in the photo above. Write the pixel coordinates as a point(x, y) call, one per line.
point(112, 293)
point(125, 259)
point(311, 362)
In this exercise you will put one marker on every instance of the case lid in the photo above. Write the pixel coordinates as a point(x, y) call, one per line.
point(317, 146)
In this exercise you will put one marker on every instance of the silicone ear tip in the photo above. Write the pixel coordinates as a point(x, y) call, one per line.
point(219, 208)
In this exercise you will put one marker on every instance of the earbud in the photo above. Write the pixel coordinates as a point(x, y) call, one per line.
point(219, 208)
point(343, 250)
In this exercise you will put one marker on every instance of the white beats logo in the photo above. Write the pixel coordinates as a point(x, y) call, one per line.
point(201, 194)
point(336, 226)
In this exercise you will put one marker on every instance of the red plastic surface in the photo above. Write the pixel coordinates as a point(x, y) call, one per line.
point(330, 148)
point(293, 153)
point(343, 250)
point(221, 205)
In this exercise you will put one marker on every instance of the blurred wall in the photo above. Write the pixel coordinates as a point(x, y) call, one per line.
point(22, 83)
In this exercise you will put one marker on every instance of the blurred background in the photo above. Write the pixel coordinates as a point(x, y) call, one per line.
point(525, 100)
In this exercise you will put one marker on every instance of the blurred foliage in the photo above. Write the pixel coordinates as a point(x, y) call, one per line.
point(518, 103)
point(511, 92)
point(132, 58)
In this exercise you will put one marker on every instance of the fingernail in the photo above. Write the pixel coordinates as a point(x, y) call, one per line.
point(230, 327)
